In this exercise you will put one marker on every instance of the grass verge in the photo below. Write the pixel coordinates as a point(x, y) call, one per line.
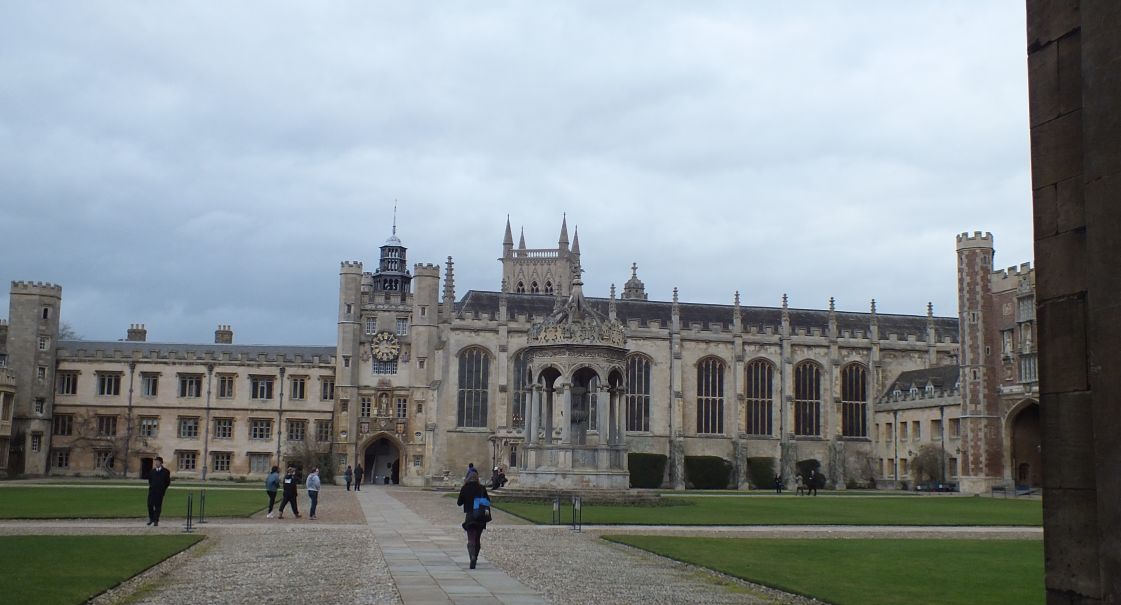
point(37, 502)
point(793, 510)
point(871, 572)
point(50, 570)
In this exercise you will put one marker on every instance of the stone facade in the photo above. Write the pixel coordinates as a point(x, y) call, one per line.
point(419, 383)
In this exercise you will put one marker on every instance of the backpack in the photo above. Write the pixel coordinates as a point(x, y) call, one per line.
point(480, 513)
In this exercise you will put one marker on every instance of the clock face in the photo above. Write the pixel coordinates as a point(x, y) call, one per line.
point(385, 346)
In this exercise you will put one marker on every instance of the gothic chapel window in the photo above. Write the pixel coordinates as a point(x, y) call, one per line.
point(710, 396)
point(807, 399)
point(638, 394)
point(474, 386)
point(523, 384)
point(854, 397)
point(533, 288)
point(760, 394)
point(520, 289)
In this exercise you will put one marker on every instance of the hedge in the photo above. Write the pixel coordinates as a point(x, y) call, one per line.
point(646, 470)
point(708, 472)
point(762, 472)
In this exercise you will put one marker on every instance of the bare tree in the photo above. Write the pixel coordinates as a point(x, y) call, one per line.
point(308, 456)
point(107, 436)
point(67, 332)
point(929, 463)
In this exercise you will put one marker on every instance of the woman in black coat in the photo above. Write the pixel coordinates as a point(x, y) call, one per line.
point(472, 489)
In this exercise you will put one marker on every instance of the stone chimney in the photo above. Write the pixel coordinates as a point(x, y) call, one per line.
point(137, 333)
point(223, 335)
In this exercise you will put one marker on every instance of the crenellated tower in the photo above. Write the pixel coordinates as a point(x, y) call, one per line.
point(33, 315)
point(981, 427)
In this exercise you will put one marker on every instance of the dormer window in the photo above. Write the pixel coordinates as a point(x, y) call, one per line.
point(914, 391)
point(929, 390)
point(897, 394)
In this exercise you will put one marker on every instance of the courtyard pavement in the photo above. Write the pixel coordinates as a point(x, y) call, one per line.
point(389, 545)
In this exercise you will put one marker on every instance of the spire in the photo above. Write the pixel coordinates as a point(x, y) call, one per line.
point(873, 306)
point(675, 295)
point(737, 298)
point(563, 243)
point(611, 311)
point(576, 241)
point(634, 289)
point(521, 240)
point(832, 305)
point(449, 287)
point(930, 310)
point(508, 239)
point(394, 217)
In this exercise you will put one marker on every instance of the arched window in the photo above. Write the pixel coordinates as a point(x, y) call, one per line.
point(533, 288)
point(854, 401)
point(548, 287)
point(523, 390)
point(520, 288)
point(638, 393)
point(760, 396)
point(807, 399)
point(474, 388)
point(710, 396)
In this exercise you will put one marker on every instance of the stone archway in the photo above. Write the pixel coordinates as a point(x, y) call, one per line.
point(381, 459)
point(1026, 463)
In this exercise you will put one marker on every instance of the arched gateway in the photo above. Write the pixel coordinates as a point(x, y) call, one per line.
point(574, 419)
point(381, 460)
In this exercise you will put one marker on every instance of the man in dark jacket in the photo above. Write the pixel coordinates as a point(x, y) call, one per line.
point(159, 479)
point(291, 482)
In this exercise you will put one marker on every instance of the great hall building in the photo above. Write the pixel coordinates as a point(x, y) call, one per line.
point(420, 382)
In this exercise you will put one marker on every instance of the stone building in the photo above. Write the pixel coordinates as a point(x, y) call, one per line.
point(536, 376)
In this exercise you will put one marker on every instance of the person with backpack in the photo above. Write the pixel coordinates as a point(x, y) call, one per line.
point(476, 506)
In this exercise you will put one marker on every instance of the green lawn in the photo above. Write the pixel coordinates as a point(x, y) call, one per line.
point(38, 502)
point(793, 510)
point(871, 572)
point(72, 569)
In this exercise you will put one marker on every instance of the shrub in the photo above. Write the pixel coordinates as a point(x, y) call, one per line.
point(762, 472)
point(646, 470)
point(708, 472)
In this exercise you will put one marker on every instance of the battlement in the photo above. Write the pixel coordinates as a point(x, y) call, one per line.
point(37, 287)
point(351, 267)
point(426, 270)
point(977, 240)
point(136, 327)
point(1014, 271)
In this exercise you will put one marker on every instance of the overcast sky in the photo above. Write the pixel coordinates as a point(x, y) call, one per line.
point(184, 165)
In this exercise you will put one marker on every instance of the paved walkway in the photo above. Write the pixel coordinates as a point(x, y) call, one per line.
point(429, 563)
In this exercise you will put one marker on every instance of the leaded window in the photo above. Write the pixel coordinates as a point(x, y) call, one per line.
point(474, 386)
point(854, 398)
point(523, 390)
point(807, 399)
point(638, 393)
point(710, 396)
point(759, 384)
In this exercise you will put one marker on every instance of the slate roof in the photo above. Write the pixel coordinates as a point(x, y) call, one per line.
point(485, 304)
point(942, 377)
point(288, 353)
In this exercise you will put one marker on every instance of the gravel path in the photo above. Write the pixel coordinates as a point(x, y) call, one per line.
point(291, 563)
point(578, 568)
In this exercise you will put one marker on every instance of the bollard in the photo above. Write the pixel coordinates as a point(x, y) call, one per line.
point(556, 511)
point(577, 514)
point(202, 506)
point(190, 509)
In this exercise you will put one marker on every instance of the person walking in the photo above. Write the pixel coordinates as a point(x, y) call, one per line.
point(291, 483)
point(313, 491)
point(349, 474)
point(272, 483)
point(799, 486)
point(358, 478)
point(159, 479)
point(470, 469)
point(811, 483)
point(778, 484)
point(472, 489)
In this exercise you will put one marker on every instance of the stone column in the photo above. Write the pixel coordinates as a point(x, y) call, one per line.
point(603, 402)
point(566, 414)
point(533, 414)
point(547, 411)
point(1074, 95)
